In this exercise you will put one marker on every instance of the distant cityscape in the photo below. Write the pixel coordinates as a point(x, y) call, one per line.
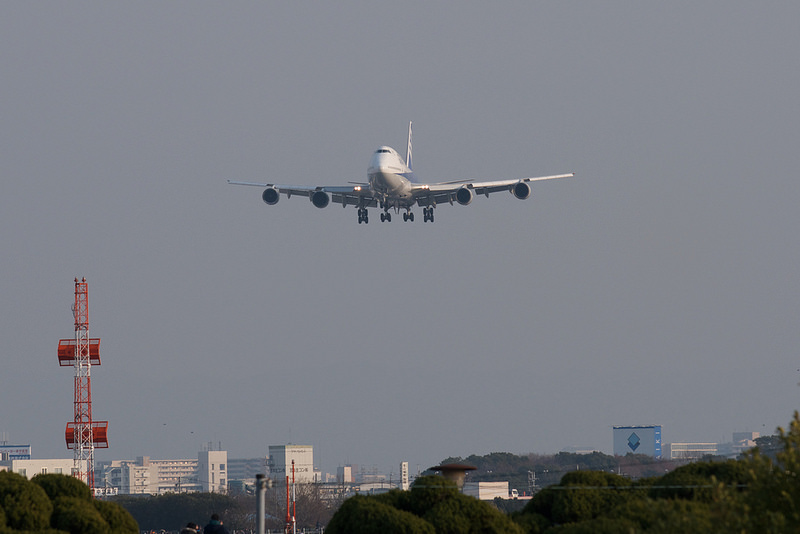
point(212, 470)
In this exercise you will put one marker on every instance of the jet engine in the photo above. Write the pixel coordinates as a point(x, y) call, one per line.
point(464, 195)
point(320, 199)
point(271, 196)
point(521, 190)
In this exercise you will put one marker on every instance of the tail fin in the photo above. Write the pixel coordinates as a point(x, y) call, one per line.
point(408, 148)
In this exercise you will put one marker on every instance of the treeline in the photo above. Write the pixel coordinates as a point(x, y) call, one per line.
point(548, 469)
point(756, 493)
point(172, 511)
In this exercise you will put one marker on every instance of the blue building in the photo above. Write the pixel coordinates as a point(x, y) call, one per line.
point(638, 440)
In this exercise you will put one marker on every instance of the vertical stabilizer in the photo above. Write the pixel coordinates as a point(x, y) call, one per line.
point(408, 148)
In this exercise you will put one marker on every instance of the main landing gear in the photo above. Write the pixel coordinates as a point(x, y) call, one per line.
point(386, 216)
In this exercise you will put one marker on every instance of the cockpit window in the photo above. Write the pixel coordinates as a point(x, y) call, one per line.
point(382, 151)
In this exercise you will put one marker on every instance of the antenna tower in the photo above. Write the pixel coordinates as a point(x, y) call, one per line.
point(83, 435)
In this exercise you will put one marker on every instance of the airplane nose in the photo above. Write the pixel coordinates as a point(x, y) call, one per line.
point(379, 163)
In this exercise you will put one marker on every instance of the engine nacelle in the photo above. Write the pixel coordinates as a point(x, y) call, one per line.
point(464, 196)
point(521, 190)
point(271, 196)
point(320, 199)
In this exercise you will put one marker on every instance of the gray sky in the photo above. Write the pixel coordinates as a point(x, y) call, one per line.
point(659, 286)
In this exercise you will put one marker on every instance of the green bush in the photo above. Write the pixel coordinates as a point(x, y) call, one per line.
point(587, 494)
point(461, 514)
point(396, 499)
point(667, 516)
point(78, 516)
point(428, 491)
point(25, 504)
point(117, 517)
point(366, 515)
point(531, 522)
point(62, 486)
point(695, 481)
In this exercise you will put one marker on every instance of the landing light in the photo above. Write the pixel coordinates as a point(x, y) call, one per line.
point(357, 188)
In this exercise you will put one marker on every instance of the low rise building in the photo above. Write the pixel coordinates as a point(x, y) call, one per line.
point(30, 468)
point(689, 451)
point(154, 477)
point(14, 452)
point(486, 491)
point(246, 469)
point(280, 463)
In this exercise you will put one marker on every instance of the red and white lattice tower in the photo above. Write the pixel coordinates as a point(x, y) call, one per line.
point(83, 435)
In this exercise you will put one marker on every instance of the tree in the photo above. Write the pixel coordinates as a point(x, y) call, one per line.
point(49, 502)
point(665, 516)
point(428, 491)
point(696, 481)
point(582, 495)
point(78, 516)
point(433, 504)
point(117, 517)
point(461, 514)
point(367, 515)
point(773, 499)
point(62, 486)
point(25, 504)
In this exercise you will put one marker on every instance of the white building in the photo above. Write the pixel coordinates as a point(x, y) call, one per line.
point(154, 477)
point(177, 476)
point(280, 463)
point(212, 471)
point(404, 485)
point(689, 451)
point(128, 477)
point(31, 468)
point(486, 491)
point(344, 474)
point(742, 441)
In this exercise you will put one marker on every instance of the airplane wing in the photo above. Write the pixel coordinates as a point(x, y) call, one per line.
point(348, 195)
point(438, 193)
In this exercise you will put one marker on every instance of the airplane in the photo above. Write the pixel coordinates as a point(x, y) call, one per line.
point(392, 185)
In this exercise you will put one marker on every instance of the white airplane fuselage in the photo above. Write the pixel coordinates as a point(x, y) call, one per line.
point(390, 178)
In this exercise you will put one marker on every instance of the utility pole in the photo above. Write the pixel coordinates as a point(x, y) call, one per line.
point(261, 508)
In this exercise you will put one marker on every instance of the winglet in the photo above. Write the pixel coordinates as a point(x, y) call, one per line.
point(408, 148)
